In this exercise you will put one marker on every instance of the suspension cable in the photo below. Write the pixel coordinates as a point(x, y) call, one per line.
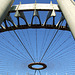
point(36, 45)
point(49, 45)
point(11, 50)
point(35, 72)
point(60, 35)
point(39, 72)
point(12, 45)
point(30, 43)
point(21, 43)
point(18, 44)
point(50, 42)
point(61, 51)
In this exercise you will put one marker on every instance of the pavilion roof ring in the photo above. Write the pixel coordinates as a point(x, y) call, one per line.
point(39, 64)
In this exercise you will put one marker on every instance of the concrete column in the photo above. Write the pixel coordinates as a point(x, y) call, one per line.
point(68, 9)
point(5, 6)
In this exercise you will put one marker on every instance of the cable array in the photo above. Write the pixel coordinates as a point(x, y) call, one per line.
point(25, 46)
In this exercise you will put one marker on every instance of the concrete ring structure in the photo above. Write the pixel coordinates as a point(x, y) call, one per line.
point(37, 63)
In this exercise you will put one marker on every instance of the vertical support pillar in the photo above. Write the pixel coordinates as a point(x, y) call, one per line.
point(5, 6)
point(68, 9)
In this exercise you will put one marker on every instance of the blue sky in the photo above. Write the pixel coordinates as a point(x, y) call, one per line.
point(33, 1)
point(59, 58)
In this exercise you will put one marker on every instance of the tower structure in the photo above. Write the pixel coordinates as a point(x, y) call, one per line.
point(5, 6)
point(68, 9)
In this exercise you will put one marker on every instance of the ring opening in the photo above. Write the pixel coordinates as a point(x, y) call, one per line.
point(37, 66)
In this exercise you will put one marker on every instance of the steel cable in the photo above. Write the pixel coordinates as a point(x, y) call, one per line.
point(18, 44)
point(61, 51)
point(12, 51)
point(59, 46)
point(49, 45)
point(53, 44)
point(30, 44)
point(22, 43)
point(12, 45)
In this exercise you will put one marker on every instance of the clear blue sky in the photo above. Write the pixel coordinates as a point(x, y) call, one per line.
point(60, 57)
